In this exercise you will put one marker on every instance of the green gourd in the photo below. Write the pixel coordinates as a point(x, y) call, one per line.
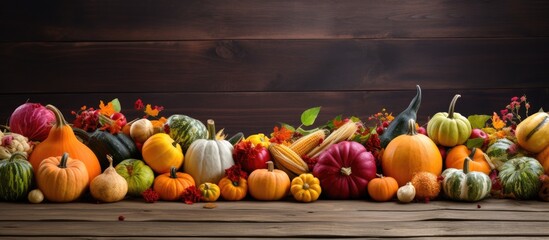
point(520, 178)
point(450, 128)
point(399, 125)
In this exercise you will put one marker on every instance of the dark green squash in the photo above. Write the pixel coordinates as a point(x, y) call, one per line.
point(119, 146)
point(399, 125)
point(235, 139)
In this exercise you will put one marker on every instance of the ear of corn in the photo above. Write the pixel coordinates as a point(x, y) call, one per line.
point(306, 143)
point(345, 132)
point(286, 157)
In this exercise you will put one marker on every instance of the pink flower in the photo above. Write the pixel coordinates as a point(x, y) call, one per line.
point(504, 112)
point(527, 105)
point(514, 99)
point(523, 98)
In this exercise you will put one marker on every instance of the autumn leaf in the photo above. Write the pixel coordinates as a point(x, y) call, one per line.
point(106, 110)
point(497, 122)
point(150, 111)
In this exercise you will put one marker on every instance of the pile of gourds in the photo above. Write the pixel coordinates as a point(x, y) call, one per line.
point(169, 158)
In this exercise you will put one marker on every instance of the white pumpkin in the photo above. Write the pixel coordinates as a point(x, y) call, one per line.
point(207, 159)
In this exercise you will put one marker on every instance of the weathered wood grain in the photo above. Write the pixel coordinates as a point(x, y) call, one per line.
point(248, 19)
point(252, 112)
point(273, 65)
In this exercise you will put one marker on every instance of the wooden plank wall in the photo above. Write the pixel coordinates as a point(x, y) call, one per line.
point(250, 64)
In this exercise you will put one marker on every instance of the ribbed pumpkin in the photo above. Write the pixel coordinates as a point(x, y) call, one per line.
point(532, 132)
point(171, 185)
point(466, 185)
point(16, 178)
point(161, 153)
point(207, 159)
point(520, 177)
point(60, 140)
point(210, 192)
point(449, 128)
point(62, 179)
point(382, 188)
point(268, 184)
point(233, 190)
point(305, 188)
point(410, 153)
point(480, 161)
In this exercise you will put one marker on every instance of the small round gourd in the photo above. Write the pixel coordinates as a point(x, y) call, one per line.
point(109, 186)
point(382, 188)
point(406, 193)
point(449, 128)
point(35, 196)
point(305, 188)
point(466, 185)
point(233, 190)
point(426, 185)
point(141, 130)
point(210, 192)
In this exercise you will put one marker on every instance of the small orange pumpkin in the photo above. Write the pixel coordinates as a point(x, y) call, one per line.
point(410, 153)
point(479, 160)
point(62, 179)
point(382, 188)
point(61, 139)
point(171, 185)
point(161, 152)
point(233, 190)
point(268, 184)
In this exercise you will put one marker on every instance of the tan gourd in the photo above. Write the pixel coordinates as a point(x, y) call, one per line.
point(141, 130)
point(109, 186)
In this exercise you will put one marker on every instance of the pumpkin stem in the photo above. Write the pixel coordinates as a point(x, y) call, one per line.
point(379, 175)
point(466, 165)
point(17, 154)
point(472, 154)
point(211, 129)
point(305, 186)
point(412, 127)
point(59, 118)
point(346, 171)
point(63, 162)
point(109, 157)
point(452, 106)
point(173, 172)
point(270, 166)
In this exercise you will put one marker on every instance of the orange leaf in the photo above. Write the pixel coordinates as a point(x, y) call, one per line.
point(497, 122)
point(150, 111)
point(107, 110)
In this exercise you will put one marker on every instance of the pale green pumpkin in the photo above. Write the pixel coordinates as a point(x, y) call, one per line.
point(465, 185)
point(520, 177)
point(449, 128)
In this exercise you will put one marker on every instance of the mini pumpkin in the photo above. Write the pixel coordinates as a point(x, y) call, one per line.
point(210, 192)
point(170, 186)
point(480, 161)
point(449, 128)
point(305, 188)
point(62, 179)
point(466, 185)
point(268, 184)
point(382, 188)
point(233, 190)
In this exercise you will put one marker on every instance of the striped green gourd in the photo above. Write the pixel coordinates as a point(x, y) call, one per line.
point(501, 151)
point(16, 178)
point(184, 130)
point(520, 177)
point(465, 185)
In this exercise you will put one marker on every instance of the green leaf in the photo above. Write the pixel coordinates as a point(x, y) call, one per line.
point(116, 105)
point(475, 143)
point(478, 121)
point(308, 117)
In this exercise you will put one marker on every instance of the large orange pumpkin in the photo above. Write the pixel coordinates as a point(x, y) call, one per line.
point(479, 160)
point(172, 184)
point(60, 140)
point(268, 184)
point(410, 153)
point(161, 153)
point(62, 179)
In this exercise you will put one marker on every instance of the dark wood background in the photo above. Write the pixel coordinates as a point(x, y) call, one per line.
point(250, 64)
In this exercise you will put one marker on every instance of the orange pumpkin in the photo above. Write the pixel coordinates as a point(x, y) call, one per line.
point(382, 188)
point(233, 190)
point(61, 139)
point(480, 161)
point(268, 184)
point(62, 179)
point(543, 158)
point(171, 185)
point(161, 152)
point(410, 153)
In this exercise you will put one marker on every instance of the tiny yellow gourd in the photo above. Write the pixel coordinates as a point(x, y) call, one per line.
point(305, 188)
point(210, 191)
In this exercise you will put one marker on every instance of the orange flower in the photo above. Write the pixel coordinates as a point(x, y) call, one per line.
point(106, 110)
point(281, 135)
point(153, 112)
point(497, 122)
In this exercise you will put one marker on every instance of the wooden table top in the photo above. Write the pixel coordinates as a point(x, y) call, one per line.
point(135, 219)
